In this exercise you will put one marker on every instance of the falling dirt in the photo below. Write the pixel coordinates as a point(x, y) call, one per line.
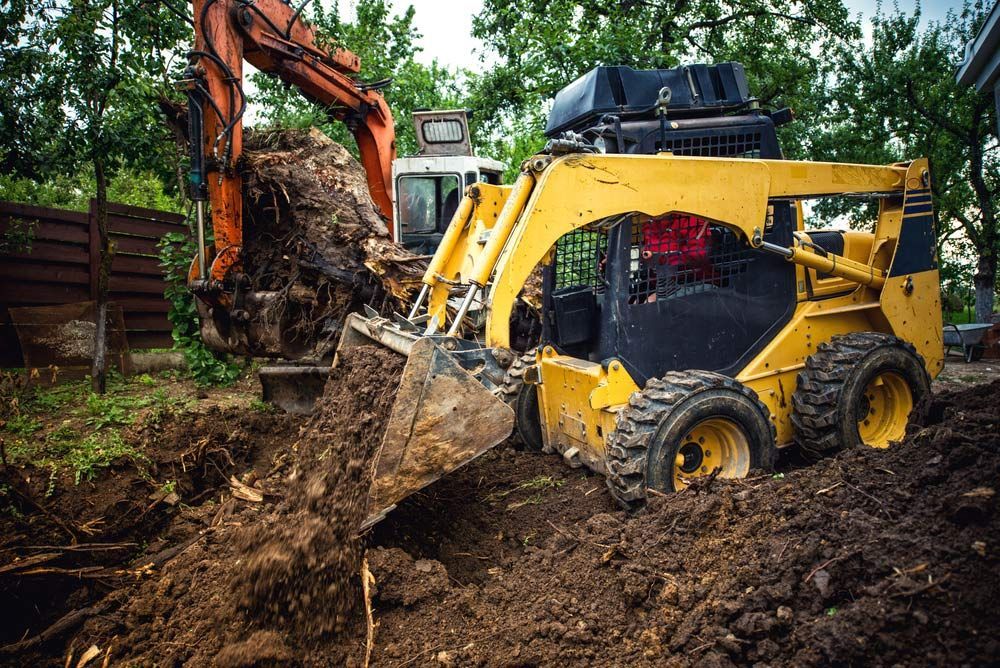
point(300, 566)
point(874, 557)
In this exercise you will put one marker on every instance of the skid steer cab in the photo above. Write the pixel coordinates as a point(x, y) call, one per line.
point(692, 324)
point(429, 185)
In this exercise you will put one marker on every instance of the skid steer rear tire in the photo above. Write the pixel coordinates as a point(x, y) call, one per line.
point(523, 399)
point(835, 399)
point(652, 442)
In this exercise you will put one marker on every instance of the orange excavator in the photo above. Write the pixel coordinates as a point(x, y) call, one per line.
point(270, 35)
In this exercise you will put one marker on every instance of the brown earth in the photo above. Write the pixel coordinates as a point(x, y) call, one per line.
point(871, 557)
point(314, 238)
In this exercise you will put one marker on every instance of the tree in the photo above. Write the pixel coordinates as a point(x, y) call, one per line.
point(31, 112)
point(386, 44)
point(96, 65)
point(898, 99)
point(542, 46)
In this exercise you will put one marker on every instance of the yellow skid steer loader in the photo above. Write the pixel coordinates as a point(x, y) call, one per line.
point(690, 324)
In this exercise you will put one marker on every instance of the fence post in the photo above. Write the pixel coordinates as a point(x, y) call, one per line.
point(95, 248)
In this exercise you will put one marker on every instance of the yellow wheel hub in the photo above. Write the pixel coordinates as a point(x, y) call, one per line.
point(715, 443)
point(884, 410)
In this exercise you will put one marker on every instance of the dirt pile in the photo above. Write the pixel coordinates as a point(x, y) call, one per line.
point(271, 581)
point(873, 557)
point(313, 236)
point(876, 557)
point(66, 546)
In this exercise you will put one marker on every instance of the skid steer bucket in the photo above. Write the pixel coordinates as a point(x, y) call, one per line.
point(442, 418)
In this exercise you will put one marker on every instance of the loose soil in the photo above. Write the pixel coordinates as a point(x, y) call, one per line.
point(874, 557)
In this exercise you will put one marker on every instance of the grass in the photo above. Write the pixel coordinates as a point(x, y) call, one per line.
point(67, 428)
point(538, 485)
point(64, 450)
point(959, 317)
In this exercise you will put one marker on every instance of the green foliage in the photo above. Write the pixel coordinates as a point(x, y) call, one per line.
point(81, 82)
point(176, 251)
point(128, 186)
point(260, 406)
point(896, 98)
point(98, 451)
point(542, 46)
point(386, 44)
point(52, 399)
point(17, 236)
point(22, 425)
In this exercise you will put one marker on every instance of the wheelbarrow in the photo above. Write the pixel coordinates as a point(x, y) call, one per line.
point(968, 337)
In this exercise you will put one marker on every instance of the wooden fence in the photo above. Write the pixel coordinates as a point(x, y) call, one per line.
point(61, 267)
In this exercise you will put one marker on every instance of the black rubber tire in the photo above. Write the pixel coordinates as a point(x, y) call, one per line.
point(523, 399)
point(650, 429)
point(829, 389)
point(974, 353)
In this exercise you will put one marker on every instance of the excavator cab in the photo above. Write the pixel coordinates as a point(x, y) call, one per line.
point(430, 184)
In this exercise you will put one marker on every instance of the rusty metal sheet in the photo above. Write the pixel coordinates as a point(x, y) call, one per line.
point(63, 335)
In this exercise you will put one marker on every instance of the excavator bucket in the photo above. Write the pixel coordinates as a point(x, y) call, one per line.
point(442, 418)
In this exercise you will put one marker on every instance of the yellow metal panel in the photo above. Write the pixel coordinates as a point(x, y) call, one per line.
point(573, 398)
point(772, 373)
point(912, 306)
point(457, 265)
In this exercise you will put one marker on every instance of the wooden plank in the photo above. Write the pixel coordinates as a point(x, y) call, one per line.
point(38, 294)
point(139, 303)
point(143, 227)
point(148, 321)
point(140, 284)
point(49, 230)
point(18, 210)
point(143, 339)
point(25, 272)
point(54, 251)
point(139, 245)
point(148, 214)
point(125, 263)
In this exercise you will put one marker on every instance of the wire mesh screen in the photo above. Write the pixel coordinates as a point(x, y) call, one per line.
point(733, 145)
point(580, 259)
point(678, 255)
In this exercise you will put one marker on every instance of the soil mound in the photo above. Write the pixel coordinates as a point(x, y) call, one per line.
point(875, 557)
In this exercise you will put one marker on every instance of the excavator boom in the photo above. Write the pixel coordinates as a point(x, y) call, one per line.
point(270, 35)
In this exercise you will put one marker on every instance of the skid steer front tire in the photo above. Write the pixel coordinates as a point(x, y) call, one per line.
point(684, 425)
point(857, 389)
point(523, 399)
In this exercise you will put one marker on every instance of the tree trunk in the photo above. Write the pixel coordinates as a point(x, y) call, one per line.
point(99, 371)
point(985, 282)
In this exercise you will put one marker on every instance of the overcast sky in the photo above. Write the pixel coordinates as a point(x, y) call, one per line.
point(446, 26)
point(446, 29)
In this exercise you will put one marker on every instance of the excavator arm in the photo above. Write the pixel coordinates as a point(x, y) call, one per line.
point(269, 35)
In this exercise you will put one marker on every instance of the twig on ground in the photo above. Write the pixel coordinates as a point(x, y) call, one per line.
point(367, 582)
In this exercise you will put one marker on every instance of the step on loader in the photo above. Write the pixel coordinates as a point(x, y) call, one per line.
point(691, 324)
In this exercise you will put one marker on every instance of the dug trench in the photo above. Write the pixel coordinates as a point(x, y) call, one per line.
point(881, 557)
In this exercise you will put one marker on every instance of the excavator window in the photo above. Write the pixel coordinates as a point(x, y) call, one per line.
point(427, 203)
